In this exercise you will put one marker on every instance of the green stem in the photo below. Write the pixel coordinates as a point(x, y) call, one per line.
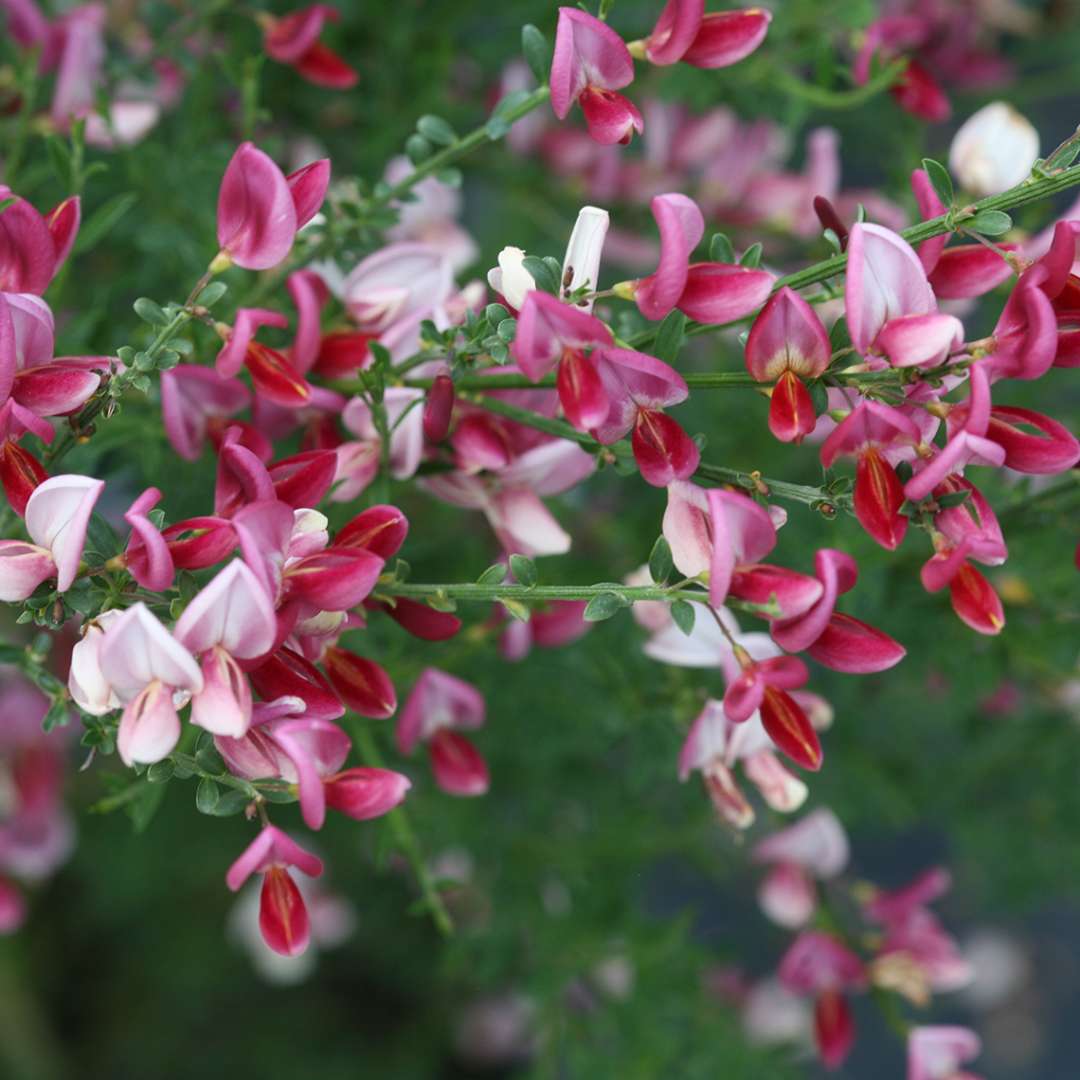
point(401, 827)
point(492, 593)
point(459, 149)
point(838, 99)
point(827, 502)
point(77, 424)
point(28, 84)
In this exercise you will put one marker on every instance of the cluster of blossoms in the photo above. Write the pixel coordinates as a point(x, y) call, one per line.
point(73, 48)
point(891, 940)
point(235, 620)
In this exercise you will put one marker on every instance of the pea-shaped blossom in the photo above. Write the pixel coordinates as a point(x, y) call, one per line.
point(57, 516)
point(590, 64)
point(293, 39)
point(438, 709)
point(260, 209)
point(149, 671)
point(787, 344)
point(283, 916)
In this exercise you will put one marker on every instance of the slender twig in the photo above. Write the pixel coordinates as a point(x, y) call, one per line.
point(827, 502)
point(476, 138)
point(401, 827)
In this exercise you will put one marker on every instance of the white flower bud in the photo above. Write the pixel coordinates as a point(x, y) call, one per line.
point(993, 150)
point(511, 278)
point(582, 263)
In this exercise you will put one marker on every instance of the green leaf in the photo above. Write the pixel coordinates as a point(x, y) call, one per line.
point(990, 222)
point(541, 274)
point(516, 609)
point(101, 539)
point(212, 293)
point(208, 759)
point(720, 249)
point(660, 561)
point(524, 569)
point(161, 772)
point(60, 159)
point(498, 123)
point(231, 801)
point(751, 257)
point(507, 329)
point(493, 575)
point(839, 336)
point(940, 180)
point(451, 176)
point(819, 396)
point(142, 808)
point(150, 311)
point(103, 220)
point(58, 715)
point(436, 130)
point(11, 654)
point(603, 606)
point(536, 51)
point(683, 615)
point(418, 149)
point(495, 313)
point(207, 795)
point(669, 337)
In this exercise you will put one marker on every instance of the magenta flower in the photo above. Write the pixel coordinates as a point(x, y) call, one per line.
point(36, 383)
point(148, 558)
point(967, 445)
point(940, 1052)
point(230, 619)
point(34, 246)
point(288, 674)
point(293, 39)
point(590, 64)
point(726, 37)
point(876, 436)
point(145, 666)
point(963, 271)
point(819, 964)
point(787, 344)
point(713, 293)
point(57, 516)
point(283, 916)
point(637, 388)
point(194, 402)
point(438, 708)
point(260, 209)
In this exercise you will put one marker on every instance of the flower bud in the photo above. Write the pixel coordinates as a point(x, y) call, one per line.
point(993, 150)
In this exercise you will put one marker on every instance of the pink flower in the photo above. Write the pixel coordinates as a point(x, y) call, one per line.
point(148, 558)
point(363, 685)
point(36, 383)
point(231, 619)
point(33, 246)
point(57, 516)
point(713, 293)
point(89, 688)
point(873, 434)
point(788, 343)
point(260, 209)
point(815, 847)
point(193, 401)
point(144, 666)
point(939, 1052)
point(837, 641)
point(283, 916)
point(726, 37)
point(637, 389)
point(293, 39)
point(439, 706)
point(819, 964)
point(591, 62)
point(884, 281)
